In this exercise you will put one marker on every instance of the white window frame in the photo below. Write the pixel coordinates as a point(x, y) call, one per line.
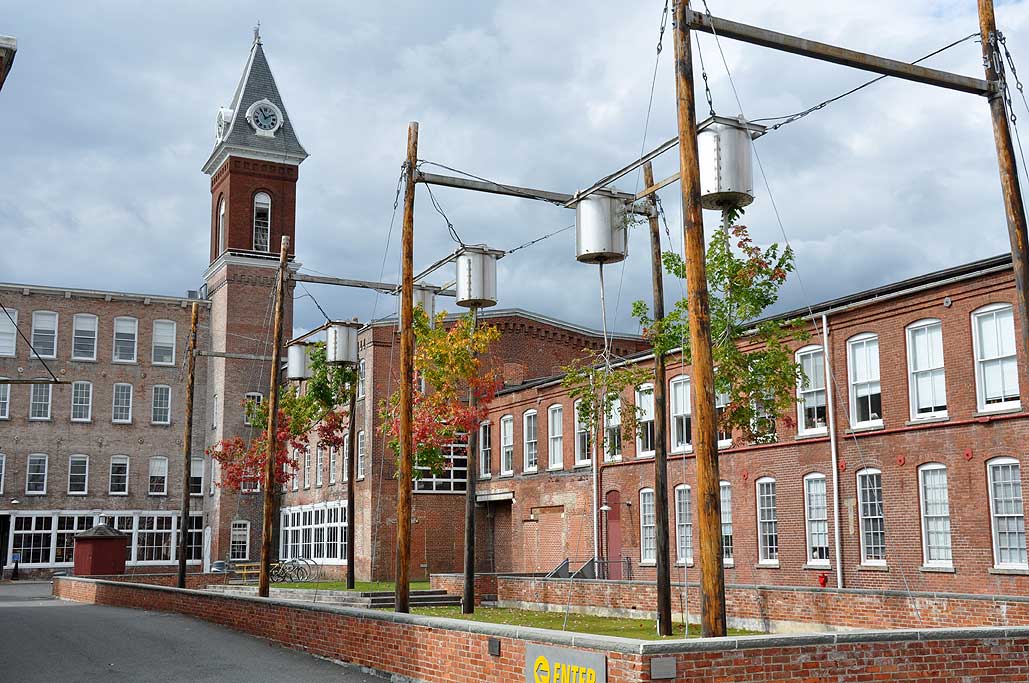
point(88, 404)
point(222, 242)
point(72, 459)
point(980, 381)
point(28, 473)
point(153, 404)
point(765, 551)
point(135, 340)
point(239, 528)
point(530, 465)
point(613, 425)
point(1020, 515)
point(581, 459)
point(359, 469)
point(150, 474)
point(683, 529)
point(361, 375)
point(333, 463)
point(643, 390)
point(56, 319)
point(296, 479)
point(196, 471)
point(859, 344)
point(319, 466)
point(307, 467)
point(648, 529)
point(174, 342)
point(75, 334)
point(725, 517)
point(555, 437)
point(934, 366)
point(721, 403)
point(264, 200)
point(48, 389)
point(680, 443)
point(803, 391)
point(114, 404)
point(9, 326)
point(5, 400)
point(3, 471)
point(864, 519)
point(924, 516)
point(258, 398)
point(117, 459)
point(485, 446)
point(811, 520)
point(507, 446)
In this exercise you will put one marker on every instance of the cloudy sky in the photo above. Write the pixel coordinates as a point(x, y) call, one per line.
point(109, 114)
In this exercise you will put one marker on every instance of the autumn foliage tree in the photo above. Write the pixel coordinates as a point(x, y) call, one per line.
point(447, 365)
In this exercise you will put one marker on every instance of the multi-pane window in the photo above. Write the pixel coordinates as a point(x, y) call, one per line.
point(262, 221)
point(239, 540)
point(161, 409)
point(485, 449)
point(506, 445)
point(863, 365)
point(932, 486)
point(44, 334)
point(125, 340)
point(555, 437)
point(682, 421)
point(453, 478)
point(360, 455)
point(196, 476)
point(763, 421)
point(927, 380)
point(683, 524)
point(725, 496)
point(3, 470)
point(81, 401)
point(582, 438)
point(250, 482)
point(996, 365)
point(332, 464)
point(811, 414)
point(8, 331)
point(613, 431)
point(221, 225)
point(164, 343)
point(158, 472)
point(251, 401)
point(724, 435)
point(319, 465)
point(817, 519)
point(78, 474)
point(83, 338)
point(39, 402)
point(316, 531)
point(530, 441)
point(5, 399)
point(32, 538)
point(118, 484)
point(767, 522)
point(645, 410)
point(648, 527)
point(121, 412)
point(35, 474)
point(873, 528)
point(1007, 513)
point(154, 538)
point(295, 479)
point(360, 378)
point(307, 467)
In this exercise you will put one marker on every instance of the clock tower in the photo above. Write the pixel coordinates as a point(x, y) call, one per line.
point(253, 171)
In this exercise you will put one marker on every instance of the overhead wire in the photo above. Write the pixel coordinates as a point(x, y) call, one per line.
point(439, 209)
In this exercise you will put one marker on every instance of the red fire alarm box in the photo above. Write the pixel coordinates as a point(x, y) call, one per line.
point(99, 551)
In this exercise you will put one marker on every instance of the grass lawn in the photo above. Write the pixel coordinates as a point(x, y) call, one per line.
point(643, 629)
point(361, 586)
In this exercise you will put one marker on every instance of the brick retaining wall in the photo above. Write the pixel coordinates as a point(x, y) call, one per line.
point(770, 608)
point(451, 651)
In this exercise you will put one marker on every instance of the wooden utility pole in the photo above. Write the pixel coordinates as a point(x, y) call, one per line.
point(664, 571)
point(351, 476)
point(468, 599)
point(402, 602)
point(187, 443)
point(267, 527)
point(1014, 207)
point(705, 445)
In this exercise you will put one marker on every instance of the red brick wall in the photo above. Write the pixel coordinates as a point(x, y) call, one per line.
point(238, 180)
point(423, 649)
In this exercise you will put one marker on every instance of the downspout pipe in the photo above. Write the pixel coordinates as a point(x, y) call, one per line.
point(833, 452)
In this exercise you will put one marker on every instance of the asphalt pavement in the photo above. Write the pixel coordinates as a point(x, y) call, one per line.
point(43, 639)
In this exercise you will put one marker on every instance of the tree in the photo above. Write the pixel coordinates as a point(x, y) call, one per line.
point(756, 371)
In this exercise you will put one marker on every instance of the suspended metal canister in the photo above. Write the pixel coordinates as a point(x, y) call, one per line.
point(425, 296)
point(725, 149)
point(341, 343)
point(297, 365)
point(477, 276)
point(600, 230)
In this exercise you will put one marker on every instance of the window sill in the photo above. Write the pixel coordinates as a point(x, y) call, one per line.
point(686, 564)
point(531, 471)
point(861, 428)
point(817, 567)
point(82, 422)
point(117, 493)
point(35, 493)
point(196, 495)
point(121, 422)
point(160, 424)
point(485, 477)
point(681, 451)
point(729, 564)
point(614, 458)
point(914, 422)
point(582, 465)
point(163, 365)
point(1007, 410)
point(39, 419)
point(937, 569)
point(873, 568)
point(76, 493)
point(506, 475)
point(767, 565)
point(648, 455)
point(813, 434)
point(1008, 571)
point(724, 444)
point(648, 563)
point(83, 360)
point(158, 495)
point(124, 362)
point(555, 469)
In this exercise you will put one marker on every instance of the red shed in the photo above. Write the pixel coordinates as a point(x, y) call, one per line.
point(100, 550)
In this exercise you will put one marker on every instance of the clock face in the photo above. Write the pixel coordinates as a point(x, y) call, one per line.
point(265, 118)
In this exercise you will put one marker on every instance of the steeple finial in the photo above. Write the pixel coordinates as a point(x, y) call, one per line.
point(257, 33)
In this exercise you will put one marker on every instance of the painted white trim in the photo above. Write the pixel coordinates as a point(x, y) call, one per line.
point(114, 403)
point(864, 472)
point(96, 335)
point(653, 504)
point(526, 467)
point(990, 464)
point(926, 562)
point(32, 333)
point(110, 475)
point(979, 380)
point(89, 404)
point(135, 341)
point(85, 485)
point(46, 473)
point(558, 452)
point(862, 338)
point(918, 325)
point(761, 550)
point(174, 340)
point(810, 560)
point(507, 420)
point(150, 473)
